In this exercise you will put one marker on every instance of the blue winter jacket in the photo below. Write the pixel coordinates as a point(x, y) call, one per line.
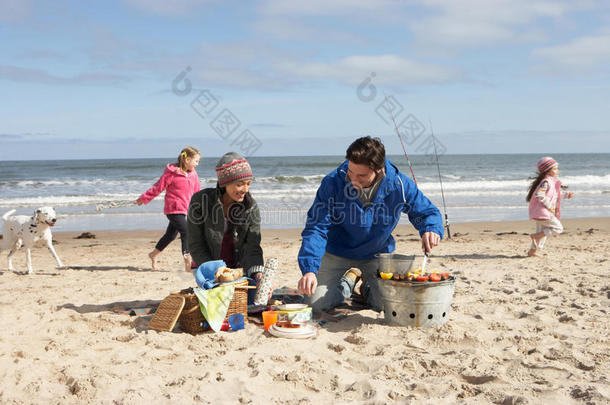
point(338, 223)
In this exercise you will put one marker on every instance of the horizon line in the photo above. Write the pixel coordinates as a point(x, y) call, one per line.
point(318, 155)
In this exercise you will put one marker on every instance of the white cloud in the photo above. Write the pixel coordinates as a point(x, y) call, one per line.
point(388, 69)
point(584, 52)
point(239, 64)
point(240, 78)
point(14, 10)
point(464, 23)
point(322, 7)
point(42, 54)
point(289, 29)
point(170, 8)
point(481, 22)
point(28, 75)
point(255, 65)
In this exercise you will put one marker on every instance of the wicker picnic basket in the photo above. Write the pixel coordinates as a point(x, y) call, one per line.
point(191, 317)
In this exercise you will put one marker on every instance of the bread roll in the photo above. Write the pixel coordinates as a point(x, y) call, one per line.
point(225, 274)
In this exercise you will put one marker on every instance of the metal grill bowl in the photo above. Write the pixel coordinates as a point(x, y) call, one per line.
point(395, 263)
point(420, 304)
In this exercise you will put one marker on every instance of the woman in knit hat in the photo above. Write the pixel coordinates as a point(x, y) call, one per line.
point(544, 196)
point(224, 222)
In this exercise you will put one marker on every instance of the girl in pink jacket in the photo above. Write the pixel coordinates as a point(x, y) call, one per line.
point(544, 197)
point(180, 182)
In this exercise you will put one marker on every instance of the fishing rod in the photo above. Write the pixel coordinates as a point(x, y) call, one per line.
point(404, 149)
point(438, 167)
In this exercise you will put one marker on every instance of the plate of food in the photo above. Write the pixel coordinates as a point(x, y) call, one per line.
point(291, 307)
point(293, 330)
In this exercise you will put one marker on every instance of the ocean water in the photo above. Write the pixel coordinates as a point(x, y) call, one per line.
point(477, 187)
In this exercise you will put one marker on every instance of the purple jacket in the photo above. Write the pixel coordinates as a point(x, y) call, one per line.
point(179, 188)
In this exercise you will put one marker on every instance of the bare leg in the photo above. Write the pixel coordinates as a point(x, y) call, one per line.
point(153, 257)
point(187, 262)
point(535, 238)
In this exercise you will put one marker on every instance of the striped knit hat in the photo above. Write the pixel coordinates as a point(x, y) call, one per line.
point(231, 168)
point(546, 163)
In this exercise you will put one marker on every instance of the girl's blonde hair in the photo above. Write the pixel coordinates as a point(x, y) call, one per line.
point(188, 152)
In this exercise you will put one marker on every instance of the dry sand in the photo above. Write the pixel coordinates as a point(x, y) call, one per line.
point(522, 330)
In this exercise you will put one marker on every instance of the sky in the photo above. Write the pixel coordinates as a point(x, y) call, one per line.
point(144, 78)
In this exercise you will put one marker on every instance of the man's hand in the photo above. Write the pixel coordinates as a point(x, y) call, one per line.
point(308, 283)
point(429, 240)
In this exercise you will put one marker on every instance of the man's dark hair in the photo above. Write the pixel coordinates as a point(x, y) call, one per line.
point(367, 151)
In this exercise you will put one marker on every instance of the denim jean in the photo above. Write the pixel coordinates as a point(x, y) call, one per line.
point(333, 289)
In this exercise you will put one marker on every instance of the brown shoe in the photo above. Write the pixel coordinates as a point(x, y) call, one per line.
point(353, 273)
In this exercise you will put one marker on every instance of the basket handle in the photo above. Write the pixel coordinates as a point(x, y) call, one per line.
point(188, 311)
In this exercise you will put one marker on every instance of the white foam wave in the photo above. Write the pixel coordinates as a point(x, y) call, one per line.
point(587, 181)
point(498, 193)
point(522, 207)
point(264, 195)
point(450, 182)
point(284, 192)
point(71, 183)
point(302, 210)
point(64, 200)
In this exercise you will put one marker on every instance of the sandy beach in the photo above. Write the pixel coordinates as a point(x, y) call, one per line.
point(521, 331)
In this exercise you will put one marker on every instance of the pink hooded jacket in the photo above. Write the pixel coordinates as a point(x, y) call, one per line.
point(537, 209)
point(179, 187)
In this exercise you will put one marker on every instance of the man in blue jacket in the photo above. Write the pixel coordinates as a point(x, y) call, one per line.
point(356, 208)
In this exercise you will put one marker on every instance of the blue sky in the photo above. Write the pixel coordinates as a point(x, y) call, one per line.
point(96, 79)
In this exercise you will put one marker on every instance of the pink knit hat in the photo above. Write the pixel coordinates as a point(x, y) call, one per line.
point(231, 168)
point(546, 163)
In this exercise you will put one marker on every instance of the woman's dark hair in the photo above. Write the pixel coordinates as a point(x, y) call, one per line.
point(237, 213)
point(534, 185)
point(367, 151)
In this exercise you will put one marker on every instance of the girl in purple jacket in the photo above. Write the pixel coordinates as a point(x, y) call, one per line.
point(544, 196)
point(180, 182)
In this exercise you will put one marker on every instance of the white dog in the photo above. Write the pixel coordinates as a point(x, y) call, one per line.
point(23, 230)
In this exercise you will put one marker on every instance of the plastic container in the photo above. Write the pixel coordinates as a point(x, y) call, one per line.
point(265, 286)
point(269, 318)
point(297, 313)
